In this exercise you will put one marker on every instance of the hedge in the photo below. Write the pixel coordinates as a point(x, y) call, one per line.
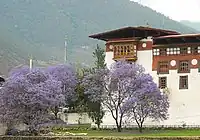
point(97, 138)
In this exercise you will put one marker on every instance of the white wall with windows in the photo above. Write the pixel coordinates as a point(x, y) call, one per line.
point(184, 88)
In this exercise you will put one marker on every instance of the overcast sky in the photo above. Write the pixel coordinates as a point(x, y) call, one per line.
point(176, 9)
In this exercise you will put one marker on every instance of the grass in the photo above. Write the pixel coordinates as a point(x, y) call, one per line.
point(84, 128)
point(184, 132)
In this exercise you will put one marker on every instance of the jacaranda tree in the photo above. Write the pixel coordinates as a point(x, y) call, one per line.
point(146, 102)
point(27, 97)
point(65, 74)
point(118, 86)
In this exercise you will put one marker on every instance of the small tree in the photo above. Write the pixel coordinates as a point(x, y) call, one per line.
point(99, 55)
point(95, 109)
point(27, 96)
point(118, 85)
point(147, 102)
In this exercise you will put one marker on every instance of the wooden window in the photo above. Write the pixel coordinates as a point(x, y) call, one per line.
point(173, 51)
point(184, 66)
point(170, 51)
point(183, 82)
point(156, 52)
point(162, 82)
point(194, 50)
point(183, 50)
point(122, 50)
point(163, 51)
point(163, 67)
point(128, 50)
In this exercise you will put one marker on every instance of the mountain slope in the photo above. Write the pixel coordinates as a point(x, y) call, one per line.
point(195, 25)
point(39, 27)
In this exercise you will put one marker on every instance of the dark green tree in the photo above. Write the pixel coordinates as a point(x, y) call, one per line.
point(95, 109)
point(99, 55)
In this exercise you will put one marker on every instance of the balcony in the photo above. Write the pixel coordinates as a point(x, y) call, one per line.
point(125, 51)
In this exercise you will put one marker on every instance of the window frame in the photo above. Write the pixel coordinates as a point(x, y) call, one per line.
point(194, 50)
point(183, 71)
point(167, 69)
point(183, 50)
point(156, 52)
point(161, 82)
point(163, 51)
point(181, 78)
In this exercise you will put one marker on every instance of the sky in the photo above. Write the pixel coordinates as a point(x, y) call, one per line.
point(175, 9)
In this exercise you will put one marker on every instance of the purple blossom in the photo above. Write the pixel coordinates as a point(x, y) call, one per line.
point(122, 88)
point(28, 95)
point(65, 74)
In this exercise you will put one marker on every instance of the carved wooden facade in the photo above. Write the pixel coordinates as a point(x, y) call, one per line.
point(123, 49)
point(177, 57)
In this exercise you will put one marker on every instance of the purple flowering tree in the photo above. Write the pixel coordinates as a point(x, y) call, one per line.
point(65, 74)
point(146, 102)
point(118, 86)
point(27, 96)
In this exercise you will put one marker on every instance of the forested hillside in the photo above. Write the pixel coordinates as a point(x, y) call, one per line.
point(39, 27)
point(195, 25)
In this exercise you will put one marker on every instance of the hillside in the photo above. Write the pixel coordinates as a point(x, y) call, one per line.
point(195, 25)
point(38, 27)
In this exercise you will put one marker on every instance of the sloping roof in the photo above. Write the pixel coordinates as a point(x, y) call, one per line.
point(178, 36)
point(128, 32)
point(177, 39)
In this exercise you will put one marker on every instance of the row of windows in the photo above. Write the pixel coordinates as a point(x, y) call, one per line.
point(125, 50)
point(174, 51)
point(183, 67)
point(183, 82)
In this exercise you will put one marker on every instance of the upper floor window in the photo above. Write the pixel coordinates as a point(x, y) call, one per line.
point(125, 50)
point(171, 51)
point(156, 52)
point(183, 50)
point(184, 66)
point(163, 67)
point(194, 50)
point(163, 51)
point(162, 82)
point(183, 82)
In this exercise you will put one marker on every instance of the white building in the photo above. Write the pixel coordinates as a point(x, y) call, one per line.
point(170, 57)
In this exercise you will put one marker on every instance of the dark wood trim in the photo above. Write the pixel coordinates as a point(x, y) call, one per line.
point(160, 82)
point(189, 66)
point(180, 82)
point(163, 72)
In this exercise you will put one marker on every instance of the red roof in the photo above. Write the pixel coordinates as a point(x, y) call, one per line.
point(128, 32)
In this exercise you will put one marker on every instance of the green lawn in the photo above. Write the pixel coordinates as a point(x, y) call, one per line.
point(145, 133)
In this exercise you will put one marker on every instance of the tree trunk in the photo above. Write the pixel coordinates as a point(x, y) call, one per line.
point(98, 126)
point(56, 113)
point(119, 127)
point(140, 125)
point(140, 129)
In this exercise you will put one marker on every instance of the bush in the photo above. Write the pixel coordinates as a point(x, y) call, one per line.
point(12, 132)
point(83, 127)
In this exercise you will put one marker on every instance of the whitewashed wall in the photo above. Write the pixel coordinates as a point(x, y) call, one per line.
point(184, 104)
point(75, 118)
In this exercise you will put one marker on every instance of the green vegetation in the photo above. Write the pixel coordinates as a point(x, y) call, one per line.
point(136, 132)
point(86, 128)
